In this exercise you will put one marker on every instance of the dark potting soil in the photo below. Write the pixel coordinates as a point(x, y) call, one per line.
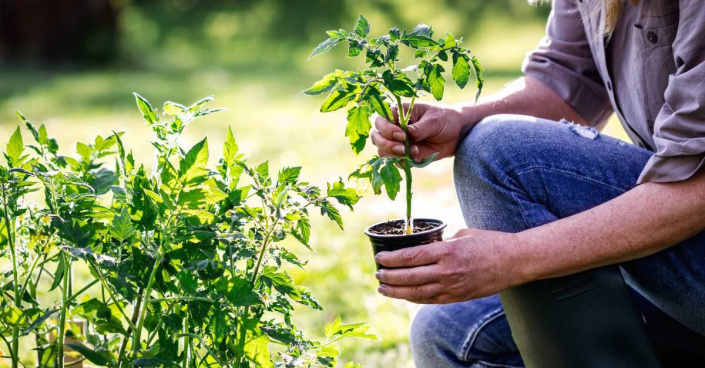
point(397, 227)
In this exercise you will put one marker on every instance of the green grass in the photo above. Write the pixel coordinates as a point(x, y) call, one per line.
point(272, 121)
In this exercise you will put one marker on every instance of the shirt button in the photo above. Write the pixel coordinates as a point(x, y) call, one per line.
point(652, 37)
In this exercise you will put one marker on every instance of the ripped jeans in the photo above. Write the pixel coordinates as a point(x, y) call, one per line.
point(516, 172)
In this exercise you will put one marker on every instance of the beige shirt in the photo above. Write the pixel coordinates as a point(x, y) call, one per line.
point(651, 73)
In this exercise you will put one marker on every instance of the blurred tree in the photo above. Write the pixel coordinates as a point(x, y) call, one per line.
point(51, 31)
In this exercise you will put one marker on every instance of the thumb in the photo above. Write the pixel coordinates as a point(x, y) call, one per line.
point(423, 128)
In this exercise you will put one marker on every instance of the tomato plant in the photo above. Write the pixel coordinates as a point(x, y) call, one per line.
point(185, 259)
point(384, 82)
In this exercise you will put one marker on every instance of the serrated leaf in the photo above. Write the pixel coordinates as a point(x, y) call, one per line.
point(378, 103)
point(425, 162)
point(193, 165)
point(324, 47)
point(358, 127)
point(339, 97)
point(121, 227)
point(461, 70)
point(230, 148)
point(391, 179)
point(15, 148)
point(345, 196)
point(436, 81)
point(146, 109)
point(329, 210)
point(174, 109)
point(478, 69)
point(362, 27)
point(399, 84)
point(289, 175)
point(324, 84)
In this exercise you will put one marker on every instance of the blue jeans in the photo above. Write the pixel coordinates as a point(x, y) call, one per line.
point(516, 172)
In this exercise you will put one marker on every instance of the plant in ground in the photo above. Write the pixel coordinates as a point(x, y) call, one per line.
point(384, 81)
point(186, 261)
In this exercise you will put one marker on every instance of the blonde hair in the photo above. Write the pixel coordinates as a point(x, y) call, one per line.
point(612, 10)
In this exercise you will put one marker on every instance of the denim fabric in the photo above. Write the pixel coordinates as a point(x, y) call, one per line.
point(516, 172)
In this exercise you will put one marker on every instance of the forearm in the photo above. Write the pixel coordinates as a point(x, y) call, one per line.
point(642, 221)
point(525, 96)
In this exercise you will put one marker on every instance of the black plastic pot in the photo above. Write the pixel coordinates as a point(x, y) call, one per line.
point(384, 243)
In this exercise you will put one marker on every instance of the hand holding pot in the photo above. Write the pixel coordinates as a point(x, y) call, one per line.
point(433, 128)
point(472, 264)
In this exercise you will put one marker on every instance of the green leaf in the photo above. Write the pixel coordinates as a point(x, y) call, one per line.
point(325, 84)
point(230, 148)
point(88, 353)
point(193, 165)
point(358, 127)
point(478, 69)
point(461, 70)
point(425, 162)
point(241, 293)
point(421, 36)
point(340, 34)
point(391, 179)
point(378, 103)
point(399, 83)
point(328, 209)
point(436, 81)
point(324, 47)
point(289, 175)
point(262, 170)
point(339, 97)
point(60, 271)
point(362, 27)
point(355, 48)
point(345, 196)
point(174, 109)
point(15, 148)
point(146, 109)
point(121, 228)
point(257, 350)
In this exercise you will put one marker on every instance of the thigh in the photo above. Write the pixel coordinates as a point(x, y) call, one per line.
point(526, 172)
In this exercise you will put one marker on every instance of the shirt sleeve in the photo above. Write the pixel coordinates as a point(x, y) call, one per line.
point(679, 129)
point(564, 62)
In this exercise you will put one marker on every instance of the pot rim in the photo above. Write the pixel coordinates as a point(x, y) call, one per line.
point(441, 225)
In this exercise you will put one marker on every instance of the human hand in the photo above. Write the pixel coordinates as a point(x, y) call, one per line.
point(432, 128)
point(472, 264)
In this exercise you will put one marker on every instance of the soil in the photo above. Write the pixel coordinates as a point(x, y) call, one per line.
point(397, 227)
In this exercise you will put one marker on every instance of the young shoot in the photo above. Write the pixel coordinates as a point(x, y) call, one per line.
point(385, 82)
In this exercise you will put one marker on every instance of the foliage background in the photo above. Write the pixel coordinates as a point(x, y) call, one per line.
point(251, 54)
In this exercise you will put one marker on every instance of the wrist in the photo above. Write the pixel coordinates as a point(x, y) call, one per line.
point(516, 262)
point(467, 117)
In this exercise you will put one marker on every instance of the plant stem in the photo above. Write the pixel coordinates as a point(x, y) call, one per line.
point(14, 350)
point(264, 248)
point(62, 318)
point(143, 310)
point(123, 346)
point(404, 118)
point(187, 343)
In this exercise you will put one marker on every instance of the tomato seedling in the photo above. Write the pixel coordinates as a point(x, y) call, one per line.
point(384, 82)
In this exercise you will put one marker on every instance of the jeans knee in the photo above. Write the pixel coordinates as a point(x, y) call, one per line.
point(423, 329)
point(490, 142)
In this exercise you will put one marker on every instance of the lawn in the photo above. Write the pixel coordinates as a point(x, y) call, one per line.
point(261, 84)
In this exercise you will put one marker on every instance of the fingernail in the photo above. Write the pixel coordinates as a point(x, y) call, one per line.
point(413, 129)
point(398, 149)
point(399, 136)
point(414, 150)
point(378, 274)
point(382, 290)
